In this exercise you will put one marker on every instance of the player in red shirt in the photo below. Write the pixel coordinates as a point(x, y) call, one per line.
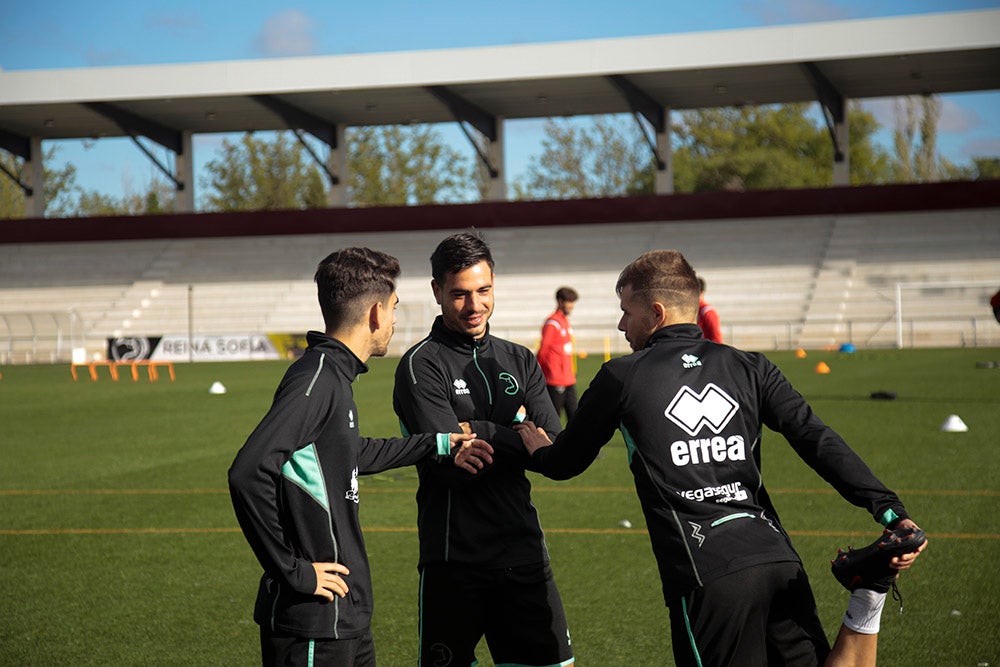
point(708, 316)
point(995, 304)
point(555, 353)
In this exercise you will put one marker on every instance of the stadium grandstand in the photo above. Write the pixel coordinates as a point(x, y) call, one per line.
point(875, 266)
point(886, 266)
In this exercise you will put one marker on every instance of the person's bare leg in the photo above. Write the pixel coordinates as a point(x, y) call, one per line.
point(857, 642)
point(853, 649)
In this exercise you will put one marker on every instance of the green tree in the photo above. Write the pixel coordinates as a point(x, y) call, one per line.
point(11, 195)
point(986, 168)
point(256, 174)
point(870, 163)
point(405, 165)
point(751, 148)
point(758, 148)
point(607, 158)
point(747, 148)
point(915, 139)
point(981, 169)
point(94, 203)
point(388, 165)
point(60, 187)
point(158, 198)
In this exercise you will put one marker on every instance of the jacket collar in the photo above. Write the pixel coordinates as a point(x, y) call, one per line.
point(338, 353)
point(456, 340)
point(689, 331)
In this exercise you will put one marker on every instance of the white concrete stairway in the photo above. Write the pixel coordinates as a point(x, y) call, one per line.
point(823, 322)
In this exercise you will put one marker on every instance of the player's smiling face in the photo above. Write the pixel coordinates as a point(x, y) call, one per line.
point(466, 299)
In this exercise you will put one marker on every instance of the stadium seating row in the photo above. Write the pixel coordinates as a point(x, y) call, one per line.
point(807, 281)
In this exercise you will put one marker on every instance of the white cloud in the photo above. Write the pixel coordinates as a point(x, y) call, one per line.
point(883, 109)
point(955, 118)
point(287, 33)
point(981, 147)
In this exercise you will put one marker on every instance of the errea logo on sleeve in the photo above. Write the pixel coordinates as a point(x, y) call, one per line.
point(690, 361)
point(461, 387)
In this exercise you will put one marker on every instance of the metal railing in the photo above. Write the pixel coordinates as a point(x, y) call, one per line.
point(775, 334)
point(52, 337)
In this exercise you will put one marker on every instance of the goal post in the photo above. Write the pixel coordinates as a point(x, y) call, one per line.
point(903, 287)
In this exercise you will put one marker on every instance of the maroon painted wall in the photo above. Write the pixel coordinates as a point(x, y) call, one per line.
point(700, 206)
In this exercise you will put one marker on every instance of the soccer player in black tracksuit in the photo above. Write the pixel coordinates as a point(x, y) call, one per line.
point(483, 563)
point(691, 412)
point(294, 484)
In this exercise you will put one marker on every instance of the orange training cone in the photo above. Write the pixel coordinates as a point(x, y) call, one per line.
point(822, 368)
point(800, 353)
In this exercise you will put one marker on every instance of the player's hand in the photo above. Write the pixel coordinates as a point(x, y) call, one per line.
point(466, 429)
point(906, 560)
point(329, 581)
point(470, 453)
point(533, 437)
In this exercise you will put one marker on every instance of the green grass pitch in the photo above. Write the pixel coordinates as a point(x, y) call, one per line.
point(118, 544)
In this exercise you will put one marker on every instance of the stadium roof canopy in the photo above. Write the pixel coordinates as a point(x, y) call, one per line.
point(942, 53)
point(829, 62)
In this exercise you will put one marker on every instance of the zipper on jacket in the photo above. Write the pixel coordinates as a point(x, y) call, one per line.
point(486, 380)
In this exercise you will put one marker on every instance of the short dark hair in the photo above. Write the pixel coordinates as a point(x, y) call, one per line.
point(566, 294)
point(347, 281)
point(701, 283)
point(459, 252)
point(662, 275)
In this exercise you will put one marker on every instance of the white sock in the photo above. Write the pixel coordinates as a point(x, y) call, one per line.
point(864, 611)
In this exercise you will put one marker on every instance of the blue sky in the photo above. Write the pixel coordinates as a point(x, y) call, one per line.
point(64, 34)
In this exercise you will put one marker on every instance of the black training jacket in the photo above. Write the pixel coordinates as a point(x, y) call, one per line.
point(691, 413)
point(294, 486)
point(447, 378)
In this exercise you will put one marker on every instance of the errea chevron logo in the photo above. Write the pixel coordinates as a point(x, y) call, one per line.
point(693, 411)
point(690, 360)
